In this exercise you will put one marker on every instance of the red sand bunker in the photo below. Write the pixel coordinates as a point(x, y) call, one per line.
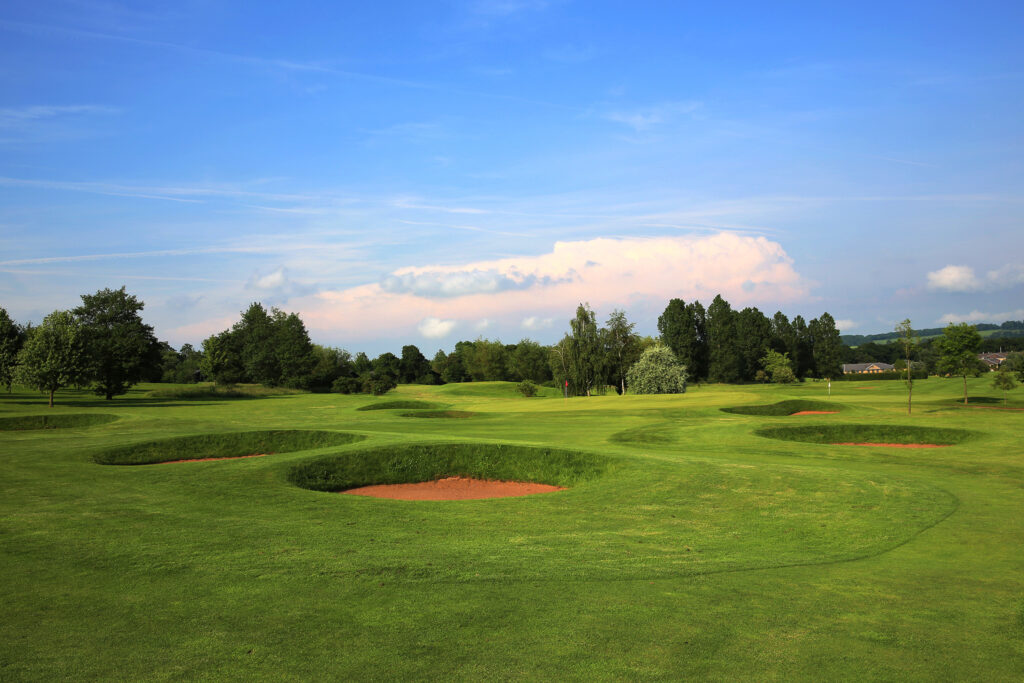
point(894, 445)
point(230, 457)
point(814, 412)
point(453, 488)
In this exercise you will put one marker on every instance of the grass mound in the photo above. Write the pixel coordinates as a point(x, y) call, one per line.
point(198, 392)
point(648, 435)
point(408, 404)
point(868, 433)
point(71, 421)
point(782, 408)
point(408, 464)
point(440, 413)
point(223, 445)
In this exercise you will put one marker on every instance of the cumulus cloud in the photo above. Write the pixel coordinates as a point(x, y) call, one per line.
point(846, 325)
point(637, 274)
point(277, 286)
point(482, 324)
point(435, 328)
point(964, 279)
point(982, 317)
point(455, 283)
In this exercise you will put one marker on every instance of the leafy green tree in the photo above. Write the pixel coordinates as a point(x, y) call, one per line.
point(754, 337)
point(122, 349)
point(725, 359)
point(683, 329)
point(827, 347)
point(387, 365)
point(803, 355)
point(778, 367)
point(621, 346)
point(529, 361)
point(329, 366)
point(361, 364)
point(486, 360)
point(12, 338)
point(54, 355)
point(1003, 381)
point(558, 361)
point(222, 358)
point(585, 352)
point(958, 351)
point(908, 343)
point(657, 372)
point(783, 335)
point(1015, 363)
point(292, 349)
point(415, 366)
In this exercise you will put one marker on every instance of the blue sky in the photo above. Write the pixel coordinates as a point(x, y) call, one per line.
point(427, 172)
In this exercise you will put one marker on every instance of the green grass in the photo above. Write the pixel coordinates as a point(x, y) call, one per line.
point(405, 464)
point(229, 445)
point(456, 414)
point(868, 433)
point(58, 421)
point(686, 546)
point(783, 408)
point(401, 405)
point(206, 391)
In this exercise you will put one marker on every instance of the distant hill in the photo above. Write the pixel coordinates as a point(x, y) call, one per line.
point(1010, 328)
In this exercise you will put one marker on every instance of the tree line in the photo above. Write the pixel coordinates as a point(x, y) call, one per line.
point(104, 344)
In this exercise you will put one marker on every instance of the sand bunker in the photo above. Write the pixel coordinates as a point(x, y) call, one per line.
point(815, 412)
point(231, 457)
point(453, 488)
point(894, 445)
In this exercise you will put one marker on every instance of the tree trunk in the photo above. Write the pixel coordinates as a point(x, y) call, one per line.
point(623, 386)
point(910, 392)
point(51, 398)
point(110, 396)
point(965, 389)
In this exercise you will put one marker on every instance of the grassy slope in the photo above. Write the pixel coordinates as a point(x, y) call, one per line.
point(704, 551)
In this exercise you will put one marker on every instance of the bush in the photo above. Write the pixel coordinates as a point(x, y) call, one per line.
point(347, 385)
point(527, 388)
point(379, 385)
point(657, 372)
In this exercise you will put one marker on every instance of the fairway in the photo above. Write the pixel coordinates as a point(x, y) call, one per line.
point(713, 535)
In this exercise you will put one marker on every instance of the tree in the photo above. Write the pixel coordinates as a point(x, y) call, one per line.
point(682, 329)
point(753, 337)
point(12, 338)
point(778, 367)
point(1004, 382)
point(54, 355)
point(222, 358)
point(958, 351)
point(585, 353)
point(122, 349)
point(292, 349)
point(827, 347)
point(621, 346)
point(908, 343)
point(803, 354)
point(387, 364)
point(725, 361)
point(1015, 364)
point(657, 372)
point(529, 361)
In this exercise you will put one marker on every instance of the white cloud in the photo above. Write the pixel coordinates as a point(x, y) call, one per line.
point(954, 279)
point(637, 274)
point(272, 280)
point(435, 328)
point(534, 323)
point(982, 317)
point(963, 279)
point(846, 325)
point(482, 325)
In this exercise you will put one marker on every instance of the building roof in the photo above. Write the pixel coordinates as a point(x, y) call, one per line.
point(864, 367)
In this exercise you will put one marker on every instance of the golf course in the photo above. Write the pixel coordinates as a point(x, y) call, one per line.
point(718, 534)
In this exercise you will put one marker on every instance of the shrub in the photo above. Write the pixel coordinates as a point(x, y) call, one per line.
point(346, 385)
point(527, 388)
point(657, 372)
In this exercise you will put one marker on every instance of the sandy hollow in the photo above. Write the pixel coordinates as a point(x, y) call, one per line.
point(453, 488)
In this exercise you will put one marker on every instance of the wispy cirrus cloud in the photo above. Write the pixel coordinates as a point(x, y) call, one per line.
point(646, 118)
point(18, 116)
point(977, 316)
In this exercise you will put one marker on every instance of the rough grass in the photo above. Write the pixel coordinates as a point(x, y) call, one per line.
point(782, 408)
point(868, 433)
point(409, 404)
point(412, 463)
point(59, 421)
point(224, 445)
point(195, 392)
point(457, 414)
